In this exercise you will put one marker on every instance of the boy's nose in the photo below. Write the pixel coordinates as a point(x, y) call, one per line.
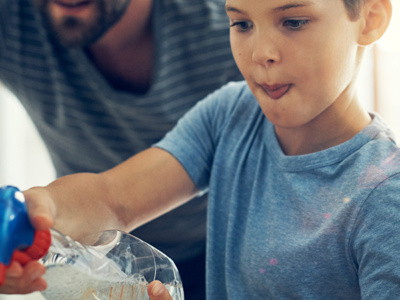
point(265, 51)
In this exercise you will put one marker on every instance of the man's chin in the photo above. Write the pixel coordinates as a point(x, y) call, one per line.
point(76, 35)
point(71, 42)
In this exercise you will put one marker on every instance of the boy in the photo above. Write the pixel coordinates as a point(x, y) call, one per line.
point(303, 183)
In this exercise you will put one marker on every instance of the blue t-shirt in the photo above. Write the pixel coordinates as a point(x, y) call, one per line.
point(324, 225)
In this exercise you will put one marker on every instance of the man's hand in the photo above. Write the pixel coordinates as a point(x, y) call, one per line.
point(157, 291)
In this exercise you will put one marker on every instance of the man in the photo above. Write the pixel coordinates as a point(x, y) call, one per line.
point(103, 80)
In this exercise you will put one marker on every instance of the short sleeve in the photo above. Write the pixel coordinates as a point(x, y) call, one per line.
point(376, 242)
point(194, 139)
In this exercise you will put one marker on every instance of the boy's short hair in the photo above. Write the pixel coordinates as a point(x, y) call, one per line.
point(353, 8)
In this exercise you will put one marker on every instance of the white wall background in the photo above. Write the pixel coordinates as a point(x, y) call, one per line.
point(24, 160)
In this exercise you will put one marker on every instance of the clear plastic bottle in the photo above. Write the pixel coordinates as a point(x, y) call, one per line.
point(110, 265)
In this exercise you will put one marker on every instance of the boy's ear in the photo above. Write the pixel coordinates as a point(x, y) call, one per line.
point(375, 15)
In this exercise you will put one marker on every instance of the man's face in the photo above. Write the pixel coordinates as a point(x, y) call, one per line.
point(78, 23)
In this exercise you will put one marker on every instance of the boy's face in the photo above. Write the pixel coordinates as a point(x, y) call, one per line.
point(299, 57)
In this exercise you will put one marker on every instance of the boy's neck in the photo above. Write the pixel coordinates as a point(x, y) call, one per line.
point(329, 129)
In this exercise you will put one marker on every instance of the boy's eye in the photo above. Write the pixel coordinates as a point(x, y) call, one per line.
point(241, 25)
point(294, 24)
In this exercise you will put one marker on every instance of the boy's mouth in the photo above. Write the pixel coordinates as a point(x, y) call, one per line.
point(276, 91)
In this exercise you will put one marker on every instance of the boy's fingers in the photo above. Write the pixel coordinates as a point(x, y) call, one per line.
point(30, 280)
point(15, 270)
point(41, 209)
point(157, 291)
point(34, 270)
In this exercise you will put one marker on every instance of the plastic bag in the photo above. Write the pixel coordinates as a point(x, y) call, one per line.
point(109, 265)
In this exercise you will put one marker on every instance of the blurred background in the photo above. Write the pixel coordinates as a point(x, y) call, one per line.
point(24, 160)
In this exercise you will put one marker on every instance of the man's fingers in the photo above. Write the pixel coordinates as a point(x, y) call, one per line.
point(157, 291)
point(41, 209)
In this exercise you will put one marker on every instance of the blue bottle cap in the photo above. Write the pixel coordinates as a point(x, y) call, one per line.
point(16, 231)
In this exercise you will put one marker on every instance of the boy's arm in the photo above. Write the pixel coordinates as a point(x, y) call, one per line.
point(138, 190)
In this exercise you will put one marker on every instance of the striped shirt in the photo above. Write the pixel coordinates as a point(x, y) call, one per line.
point(88, 126)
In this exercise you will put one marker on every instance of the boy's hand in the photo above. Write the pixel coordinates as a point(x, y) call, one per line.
point(41, 208)
point(27, 278)
point(24, 280)
point(157, 291)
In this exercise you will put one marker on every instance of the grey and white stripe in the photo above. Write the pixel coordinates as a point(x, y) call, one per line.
point(89, 126)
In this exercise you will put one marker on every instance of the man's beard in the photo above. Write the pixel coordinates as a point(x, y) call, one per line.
point(75, 32)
